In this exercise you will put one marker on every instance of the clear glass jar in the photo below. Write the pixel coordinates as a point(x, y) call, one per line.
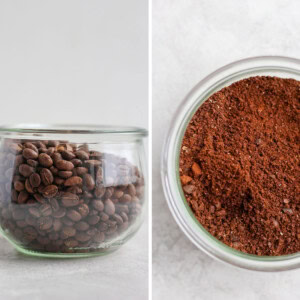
point(71, 191)
point(258, 66)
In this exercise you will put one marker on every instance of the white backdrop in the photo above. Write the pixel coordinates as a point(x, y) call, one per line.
point(71, 61)
point(74, 61)
point(192, 38)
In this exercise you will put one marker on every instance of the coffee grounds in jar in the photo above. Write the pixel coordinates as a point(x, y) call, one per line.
point(63, 198)
point(239, 165)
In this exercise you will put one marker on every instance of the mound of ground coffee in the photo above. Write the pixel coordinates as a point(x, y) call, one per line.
point(239, 165)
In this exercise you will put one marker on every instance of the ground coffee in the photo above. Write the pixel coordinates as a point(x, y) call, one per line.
point(239, 165)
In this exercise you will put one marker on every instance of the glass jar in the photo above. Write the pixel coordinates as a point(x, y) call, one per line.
point(258, 66)
point(71, 191)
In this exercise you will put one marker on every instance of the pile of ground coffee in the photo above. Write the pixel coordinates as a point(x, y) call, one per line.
point(239, 165)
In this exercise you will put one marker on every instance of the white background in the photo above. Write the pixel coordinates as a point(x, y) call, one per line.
point(70, 61)
point(192, 38)
point(74, 61)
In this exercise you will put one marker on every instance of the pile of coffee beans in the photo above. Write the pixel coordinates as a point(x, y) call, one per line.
point(61, 197)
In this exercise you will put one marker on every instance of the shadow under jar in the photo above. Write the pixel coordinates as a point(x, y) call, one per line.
point(71, 190)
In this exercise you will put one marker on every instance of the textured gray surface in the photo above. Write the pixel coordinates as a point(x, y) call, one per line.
point(120, 275)
point(192, 39)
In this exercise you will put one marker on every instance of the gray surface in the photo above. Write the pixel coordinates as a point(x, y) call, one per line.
point(192, 39)
point(119, 275)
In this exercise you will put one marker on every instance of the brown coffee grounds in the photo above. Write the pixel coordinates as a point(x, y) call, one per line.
point(239, 165)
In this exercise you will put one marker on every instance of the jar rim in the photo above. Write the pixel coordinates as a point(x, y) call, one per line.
point(76, 129)
point(174, 195)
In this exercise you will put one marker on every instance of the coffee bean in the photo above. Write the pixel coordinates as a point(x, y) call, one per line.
point(88, 181)
point(74, 215)
point(69, 199)
point(54, 204)
point(81, 171)
point(60, 213)
point(64, 165)
point(73, 181)
point(45, 223)
point(71, 243)
point(35, 180)
point(23, 196)
point(68, 232)
point(28, 186)
point(30, 154)
point(118, 219)
point(19, 186)
point(69, 195)
point(82, 226)
point(104, 217)
point(65, 174)
point(98, 205)
point(50, 191)
point(76, 162)
point(68, 155)
point(57, 225)
point(82, 155)
point(25, 170)
point(109, 207)
point(34, 212)
point(83, 209)
point(47, 177)
point(46, 210)
point(45, 160)
point(82, 237)
point(30, 233)
point(93, 220)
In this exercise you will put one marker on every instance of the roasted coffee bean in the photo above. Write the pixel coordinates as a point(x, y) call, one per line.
point(30, 154)
point(19, 186)
point(46, 210)
point(64, 165)
point(93, 220)
point(45, 160)
point(82, 155)
point(104, 217)
point(25, 170)
point(60, 213)
point(118, 219)
point(83, 209)
point(50, 191)
point(47, 177)
point(81, 171)
point(82, 226)
point(98, 205)
point(57, 225)
point(99, 237)
point(109, 207)
point(82, 237)
point(68, 232)
point(74, 215)
point(89, 181)
point(65, 174)
point(69, 199)
point(45, 223)
point(23, 196)
point(76, 162)
point(35, 212)
point(29, 187)
point(68, 155)
point(35, 180)
point(74, 180)
point(71, 243)
point(54, 204)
